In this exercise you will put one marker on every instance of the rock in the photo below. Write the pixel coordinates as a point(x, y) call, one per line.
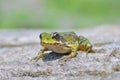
point(17, 45)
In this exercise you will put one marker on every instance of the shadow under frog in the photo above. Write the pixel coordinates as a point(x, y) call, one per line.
point(51, 56)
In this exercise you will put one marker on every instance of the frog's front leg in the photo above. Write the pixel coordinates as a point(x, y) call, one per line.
point(40, 54)
point(69, 56)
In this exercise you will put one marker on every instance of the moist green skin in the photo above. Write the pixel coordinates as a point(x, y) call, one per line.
point(68, 42)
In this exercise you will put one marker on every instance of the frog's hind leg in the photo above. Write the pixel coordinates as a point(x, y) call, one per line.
point(89, 50)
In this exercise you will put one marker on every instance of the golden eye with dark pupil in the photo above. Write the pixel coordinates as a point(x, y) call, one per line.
point(55, 35)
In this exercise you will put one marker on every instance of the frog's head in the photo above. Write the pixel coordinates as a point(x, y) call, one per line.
point(48, 39)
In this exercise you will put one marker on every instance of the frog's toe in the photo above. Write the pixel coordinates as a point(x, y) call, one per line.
point(32, 59)
point(64, 59)
point(36, 59)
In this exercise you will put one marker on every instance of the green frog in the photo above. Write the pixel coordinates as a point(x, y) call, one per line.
point(63, 43)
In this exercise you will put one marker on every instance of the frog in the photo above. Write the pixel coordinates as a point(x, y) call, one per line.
point(63, 43)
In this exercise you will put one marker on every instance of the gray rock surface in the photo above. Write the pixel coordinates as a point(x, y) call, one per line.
point(17, 45)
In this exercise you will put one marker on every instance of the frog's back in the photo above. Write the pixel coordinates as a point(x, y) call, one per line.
point(84, 44)
point(69, 36)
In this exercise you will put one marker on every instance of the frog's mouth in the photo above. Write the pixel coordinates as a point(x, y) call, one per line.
point(48, 44)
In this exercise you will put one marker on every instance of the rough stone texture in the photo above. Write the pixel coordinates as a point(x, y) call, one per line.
point(17, 45)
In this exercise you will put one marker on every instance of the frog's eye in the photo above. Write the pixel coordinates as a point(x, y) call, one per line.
point(55, 35)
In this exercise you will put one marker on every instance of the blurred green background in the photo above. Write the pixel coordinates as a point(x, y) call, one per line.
point(55, 14)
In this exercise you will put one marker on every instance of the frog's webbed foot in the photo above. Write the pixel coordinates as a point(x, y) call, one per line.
point(64, 59)
point(33, 58)
point(89, 51)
